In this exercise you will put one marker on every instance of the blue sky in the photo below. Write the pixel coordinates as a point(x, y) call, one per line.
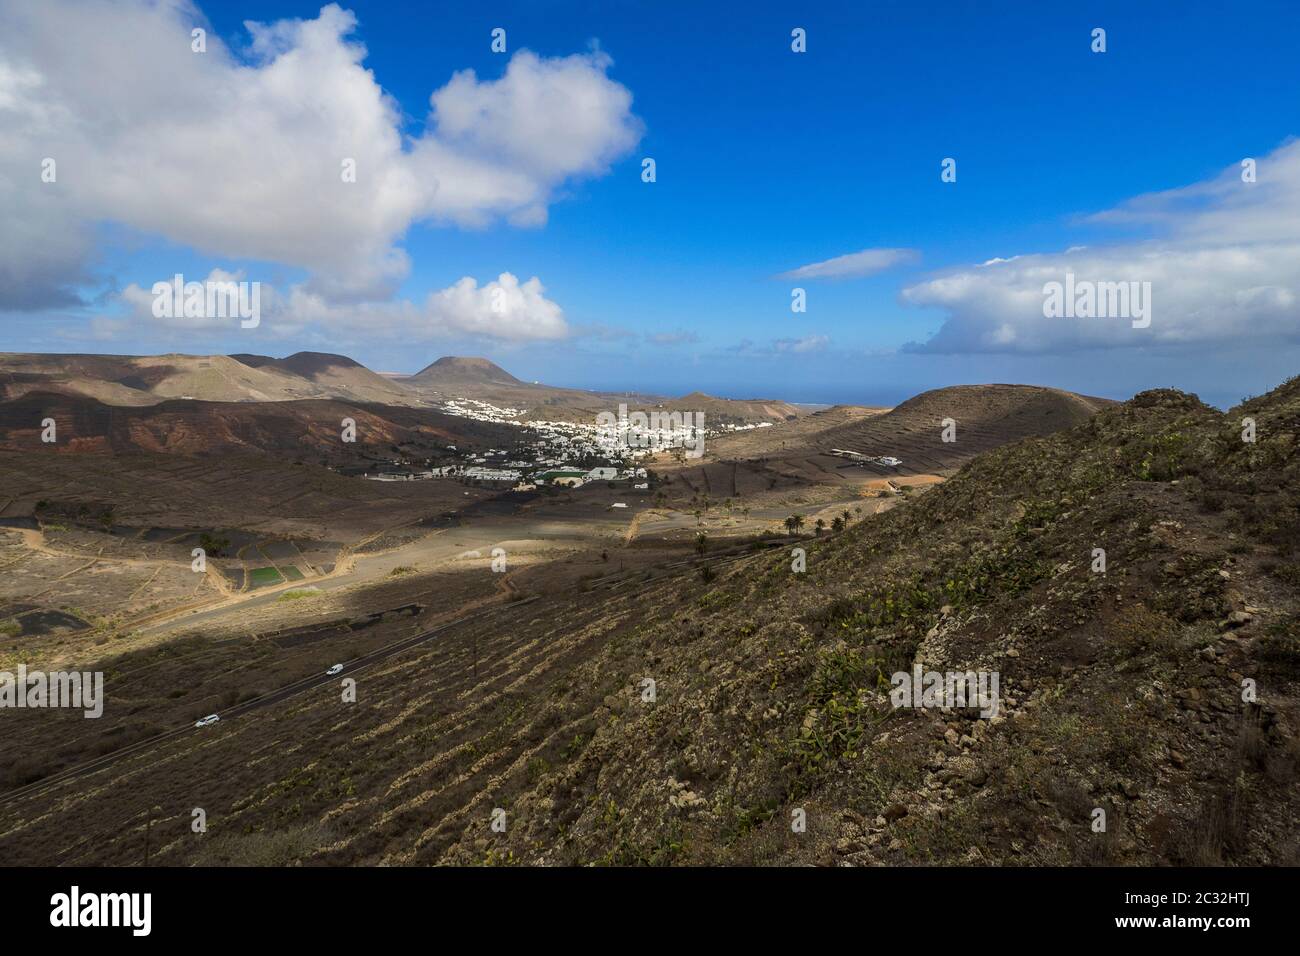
point(768, 161)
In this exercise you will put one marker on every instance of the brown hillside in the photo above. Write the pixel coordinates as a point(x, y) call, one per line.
point(148, 379)
point(1120, 691)
point(310, 427)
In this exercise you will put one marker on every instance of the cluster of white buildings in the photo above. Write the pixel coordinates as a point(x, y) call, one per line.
point(615, 437)
point(546, 448)
point(480, 411)
point(554, 442)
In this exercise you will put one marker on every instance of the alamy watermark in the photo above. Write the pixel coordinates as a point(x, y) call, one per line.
point(211, 299)
point(656, 430)
point(38, 689)
point(1085, 299)
point(958, 689)
point(73, 909)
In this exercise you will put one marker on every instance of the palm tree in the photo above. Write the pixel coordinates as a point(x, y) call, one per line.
point(837, 524)
point(820, 525)
point(794, 523)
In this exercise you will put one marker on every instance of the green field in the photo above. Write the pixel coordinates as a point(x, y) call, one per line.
point(291, 572)
point(261, 577)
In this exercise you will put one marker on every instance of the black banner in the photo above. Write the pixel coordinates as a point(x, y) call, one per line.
point(334, 905)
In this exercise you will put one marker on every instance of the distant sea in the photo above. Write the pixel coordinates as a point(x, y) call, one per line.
point(889, 396)
point(878, 397)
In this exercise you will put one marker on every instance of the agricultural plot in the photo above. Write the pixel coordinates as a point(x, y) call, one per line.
point(264, 577)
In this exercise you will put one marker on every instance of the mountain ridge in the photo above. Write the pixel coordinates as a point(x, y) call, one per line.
point(126, 380)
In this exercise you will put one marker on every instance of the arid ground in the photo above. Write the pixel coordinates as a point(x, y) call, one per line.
point(658, 683)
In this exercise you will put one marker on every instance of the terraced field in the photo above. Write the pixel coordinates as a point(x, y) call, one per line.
point(436, 734)
point(262, 577)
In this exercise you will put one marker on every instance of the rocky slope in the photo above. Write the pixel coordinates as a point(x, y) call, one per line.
point(1164, 692)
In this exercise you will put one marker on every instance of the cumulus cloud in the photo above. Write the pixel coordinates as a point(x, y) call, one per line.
point(855, 265)
point(241, 155)
point(1223, 263)
point(141, 303)
point(502, 147)
point(503, 309)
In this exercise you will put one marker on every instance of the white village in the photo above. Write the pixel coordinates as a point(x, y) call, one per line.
point(561, 453)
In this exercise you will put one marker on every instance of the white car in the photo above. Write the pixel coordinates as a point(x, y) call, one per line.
point(336, 669)
point(210, 719)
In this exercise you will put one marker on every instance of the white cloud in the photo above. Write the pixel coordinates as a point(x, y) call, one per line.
point(1224, 267)
point(140, 303)
point(503, 146)
point(809, 343)
point(855, 265)
point(241, 157)
point(503, 310)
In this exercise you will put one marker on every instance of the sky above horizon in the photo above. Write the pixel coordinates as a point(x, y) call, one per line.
point(498, 203)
